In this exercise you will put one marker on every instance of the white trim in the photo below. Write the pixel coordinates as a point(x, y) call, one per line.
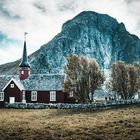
point(2, 99)
point(23, 95)
point(52, 95)
point(16, 82)
point(33, 95)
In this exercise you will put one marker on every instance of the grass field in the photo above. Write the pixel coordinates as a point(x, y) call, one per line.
point(111, 124)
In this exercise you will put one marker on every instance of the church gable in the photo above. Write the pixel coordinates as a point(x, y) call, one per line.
point(13, 84)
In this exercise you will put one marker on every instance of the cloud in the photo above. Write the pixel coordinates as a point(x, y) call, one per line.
point(10, 53)
point(42, 19)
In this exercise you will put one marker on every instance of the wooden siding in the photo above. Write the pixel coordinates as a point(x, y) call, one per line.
point(69, 99)
point(44, 97)
point(12, 92)
point(25, 75)
point(1, 104)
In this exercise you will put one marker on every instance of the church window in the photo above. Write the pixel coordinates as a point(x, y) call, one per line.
point(12, 85)
point(22, 72)
point(1, 96)
point(52, 95)
point(34, 96)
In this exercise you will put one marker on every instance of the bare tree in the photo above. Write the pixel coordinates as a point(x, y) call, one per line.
point(124, 80)
point(137, 66)
point(96, 77)
point(83, 76)
point(133, 81)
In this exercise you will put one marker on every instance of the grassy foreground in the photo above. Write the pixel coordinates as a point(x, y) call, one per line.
point(112, 124)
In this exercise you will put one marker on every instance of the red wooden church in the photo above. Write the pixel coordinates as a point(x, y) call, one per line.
point(34, 88)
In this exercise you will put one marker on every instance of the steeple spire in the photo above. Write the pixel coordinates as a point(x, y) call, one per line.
point(24, 61)
point(24, 67)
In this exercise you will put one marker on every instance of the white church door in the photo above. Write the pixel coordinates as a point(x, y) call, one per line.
point(11, 100)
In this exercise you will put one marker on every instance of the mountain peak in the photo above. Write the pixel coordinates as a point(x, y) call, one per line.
point(90, 19)
point(90, 34)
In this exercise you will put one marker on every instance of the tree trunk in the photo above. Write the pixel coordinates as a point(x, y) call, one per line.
point(92, 93)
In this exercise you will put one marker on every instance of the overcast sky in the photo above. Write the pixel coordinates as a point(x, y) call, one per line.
point(42, 19)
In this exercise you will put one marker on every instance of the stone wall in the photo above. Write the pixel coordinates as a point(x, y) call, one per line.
point(94, 105)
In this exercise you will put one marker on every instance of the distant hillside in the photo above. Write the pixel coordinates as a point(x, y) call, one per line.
point(90, 34)
point(12, 67)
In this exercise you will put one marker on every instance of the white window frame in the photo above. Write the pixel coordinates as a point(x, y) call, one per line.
point(12, 85)
point(33, 95)
point(22, 72)
point(1, 96)
point(52, 95)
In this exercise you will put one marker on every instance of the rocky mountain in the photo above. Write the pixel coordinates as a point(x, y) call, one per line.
point(90, 34)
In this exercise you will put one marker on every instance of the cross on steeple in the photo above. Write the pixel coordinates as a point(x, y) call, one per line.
point(25, 33)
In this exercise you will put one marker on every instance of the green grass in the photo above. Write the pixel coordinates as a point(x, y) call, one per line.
point(112, 124)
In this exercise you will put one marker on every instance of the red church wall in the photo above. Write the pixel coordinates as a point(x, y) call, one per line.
point(1, 104)
point(12, 92)
point(60, 96)
point(44, 97)
point(69, 99)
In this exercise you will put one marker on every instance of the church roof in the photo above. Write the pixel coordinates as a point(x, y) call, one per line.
point(3, 82)
point(24, 60)
point(17, 82)
point(39, 82)
point(43, 82)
